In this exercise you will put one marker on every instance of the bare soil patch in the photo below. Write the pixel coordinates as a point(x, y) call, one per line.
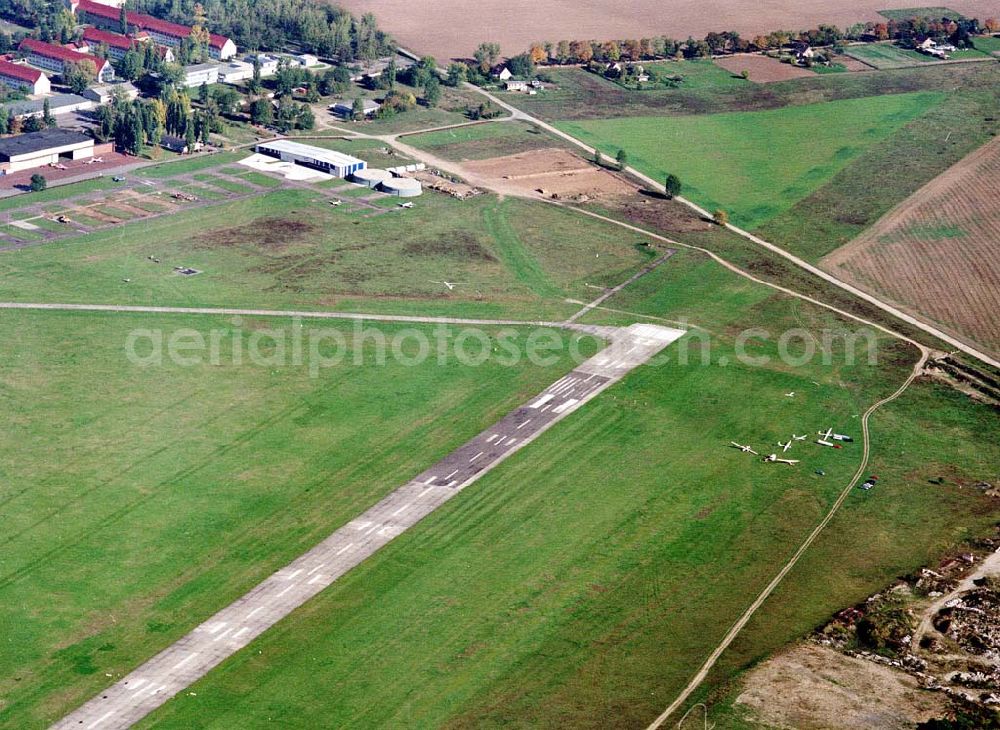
point(851, 64)
point(462, 245)
point(454, 29)
point(762, 69)
point(552, 173)
point(268, 233)
point(937, 255)
point(812, 686)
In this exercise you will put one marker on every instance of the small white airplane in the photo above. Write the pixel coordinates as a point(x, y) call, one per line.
point(785, 446)
point(799, 438)
point(58, 166)
point(94, 161)
point(406, 205)
point(790, 395)
point(336, 202)
point(745, 449)
point(773, 459)
point(829, 434)
point(450, 284)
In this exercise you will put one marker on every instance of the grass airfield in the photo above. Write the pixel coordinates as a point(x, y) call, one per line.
point(578, 584)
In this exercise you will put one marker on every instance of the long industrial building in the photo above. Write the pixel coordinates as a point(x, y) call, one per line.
point(328, 161)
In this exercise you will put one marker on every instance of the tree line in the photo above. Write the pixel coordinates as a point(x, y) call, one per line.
point(725, 42)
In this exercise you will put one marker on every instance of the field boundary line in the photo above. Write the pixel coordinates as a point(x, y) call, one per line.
point(801, 263)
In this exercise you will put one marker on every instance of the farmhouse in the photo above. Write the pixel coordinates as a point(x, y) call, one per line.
point(345, 109)
point(37, 149)
point(55, 58)
point(20, 76)
point(328, 161)
point(502, 73)
point(162, 32)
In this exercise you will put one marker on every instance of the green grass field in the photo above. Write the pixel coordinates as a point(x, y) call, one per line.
point(885, 56)
point(550, 595)
point(987, 43)
point(482, 141)
point(934, 11)
point(290, 249)
point(755, 165)
point(136, 499)
point(691, 75)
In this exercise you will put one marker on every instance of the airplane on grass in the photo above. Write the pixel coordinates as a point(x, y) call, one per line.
point(773, 459)
point(405, 205)
point(745, 449)
point(826, 436)
point(785, 446)
point(450, 284)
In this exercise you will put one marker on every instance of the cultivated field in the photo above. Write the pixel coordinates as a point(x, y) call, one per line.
point(452, 31)
point(762, 69)
point(755, 165)
point(937, 255)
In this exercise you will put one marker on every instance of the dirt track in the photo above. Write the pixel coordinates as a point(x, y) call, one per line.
point(456, 27)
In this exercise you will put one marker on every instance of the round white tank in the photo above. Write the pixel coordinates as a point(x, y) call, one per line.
point(371, 177)
point(403, 187)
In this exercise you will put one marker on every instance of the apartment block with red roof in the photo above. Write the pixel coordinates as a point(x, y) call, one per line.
point(163, 32)
point(55, 58)
point(21, 76)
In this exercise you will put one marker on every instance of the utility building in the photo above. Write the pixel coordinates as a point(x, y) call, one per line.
point(328, 161)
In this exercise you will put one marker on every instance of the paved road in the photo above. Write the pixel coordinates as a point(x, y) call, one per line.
point(232, 628)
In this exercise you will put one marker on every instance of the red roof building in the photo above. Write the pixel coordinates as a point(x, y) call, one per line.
point(19, 76)
point(162, 32)
point(54, 58)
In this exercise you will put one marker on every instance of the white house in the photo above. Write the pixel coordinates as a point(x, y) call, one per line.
point(105, 93)
point(268, 64)
point(306, 59)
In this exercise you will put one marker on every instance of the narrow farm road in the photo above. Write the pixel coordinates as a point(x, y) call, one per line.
point(801, 263)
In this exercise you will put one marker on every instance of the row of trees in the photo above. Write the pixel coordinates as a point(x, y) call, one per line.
point(11, 124)
point(656, 47)
point(322, 28)
point(134, 125)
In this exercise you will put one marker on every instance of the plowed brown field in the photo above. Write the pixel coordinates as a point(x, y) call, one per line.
point(937, 255)
point(453, 28)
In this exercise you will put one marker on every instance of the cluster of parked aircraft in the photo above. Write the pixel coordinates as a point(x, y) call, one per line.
point(826, 438)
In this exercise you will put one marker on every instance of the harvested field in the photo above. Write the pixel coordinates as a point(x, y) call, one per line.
point(554, 171)
point(451, 31)
point(762, 69)
point(937, 254)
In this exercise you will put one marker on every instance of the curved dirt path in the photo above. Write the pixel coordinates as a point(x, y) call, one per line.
point(801, 263)
point(743, 620)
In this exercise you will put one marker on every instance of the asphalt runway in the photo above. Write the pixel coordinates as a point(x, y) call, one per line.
point(194, 655)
